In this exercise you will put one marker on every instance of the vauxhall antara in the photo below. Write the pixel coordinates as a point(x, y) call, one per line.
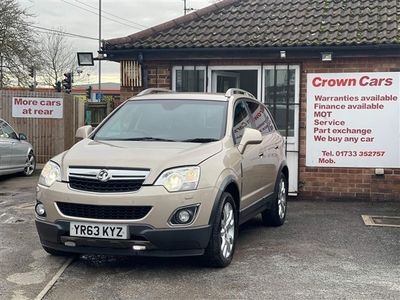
point(165, 174)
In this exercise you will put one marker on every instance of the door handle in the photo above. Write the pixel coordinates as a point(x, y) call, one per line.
point(260, 155)
point(276, 148)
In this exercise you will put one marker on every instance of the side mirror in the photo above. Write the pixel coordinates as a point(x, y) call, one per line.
point(83, 132)
point(22, 137)
point(250, 136)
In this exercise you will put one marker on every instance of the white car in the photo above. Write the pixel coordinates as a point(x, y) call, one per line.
point(16, 154)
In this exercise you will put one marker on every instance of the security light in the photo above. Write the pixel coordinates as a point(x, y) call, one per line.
point(283, 54)
point(85, 59)
point(326, 56)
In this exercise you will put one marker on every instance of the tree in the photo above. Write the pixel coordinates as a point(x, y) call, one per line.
point(57, 58)
point(17, 42)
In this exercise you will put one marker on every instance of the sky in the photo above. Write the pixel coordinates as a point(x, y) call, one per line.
point(135, 15)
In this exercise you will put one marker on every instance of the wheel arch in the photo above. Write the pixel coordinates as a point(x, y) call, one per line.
point(230, 185)
point(283, 169)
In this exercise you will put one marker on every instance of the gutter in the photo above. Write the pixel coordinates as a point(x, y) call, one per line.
point(378, 50)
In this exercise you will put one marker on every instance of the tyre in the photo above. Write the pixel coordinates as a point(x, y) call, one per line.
point(277, 214)
point(222, 243)
point(56, 252)
point(30, 165)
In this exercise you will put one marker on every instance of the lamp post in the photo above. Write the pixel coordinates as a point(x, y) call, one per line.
point(99, 47)
point(1, 70)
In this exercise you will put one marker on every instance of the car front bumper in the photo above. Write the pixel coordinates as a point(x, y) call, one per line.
point(157, 242)
point(153, 231)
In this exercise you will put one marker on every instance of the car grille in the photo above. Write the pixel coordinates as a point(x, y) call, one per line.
point(103, 211)
point(112, 186)
point(117, 181)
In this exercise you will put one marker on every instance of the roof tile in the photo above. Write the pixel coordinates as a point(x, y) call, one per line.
point(274, 23)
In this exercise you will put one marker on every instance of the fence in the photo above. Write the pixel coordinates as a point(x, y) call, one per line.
point(48, 136)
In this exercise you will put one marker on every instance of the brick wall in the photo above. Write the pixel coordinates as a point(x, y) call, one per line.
point(158, 76)
point(344, 183)
point(315, 183)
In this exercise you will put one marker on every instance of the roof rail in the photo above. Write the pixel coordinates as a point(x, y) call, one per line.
point(234, 91)
point(154, 91)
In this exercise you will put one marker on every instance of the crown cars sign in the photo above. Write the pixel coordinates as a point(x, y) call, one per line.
point(353, 120)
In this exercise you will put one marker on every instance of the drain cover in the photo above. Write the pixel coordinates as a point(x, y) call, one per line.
point(388, 221)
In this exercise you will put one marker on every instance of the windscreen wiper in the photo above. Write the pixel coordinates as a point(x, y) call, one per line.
point(200, 140)
point(148, 138)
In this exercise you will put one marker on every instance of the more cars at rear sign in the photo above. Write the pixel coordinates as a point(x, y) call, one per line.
point(44, 108)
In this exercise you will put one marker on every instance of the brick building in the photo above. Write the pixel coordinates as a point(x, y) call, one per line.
point(271, 48)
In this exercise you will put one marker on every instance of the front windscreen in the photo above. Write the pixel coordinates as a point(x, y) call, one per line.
point(166, 120)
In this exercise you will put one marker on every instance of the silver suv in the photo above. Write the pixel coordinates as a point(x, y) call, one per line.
point(166, 174)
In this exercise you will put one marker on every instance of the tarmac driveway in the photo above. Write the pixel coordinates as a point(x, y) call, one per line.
point(324, 251)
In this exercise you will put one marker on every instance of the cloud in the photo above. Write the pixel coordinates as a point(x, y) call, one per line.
point(58, 13)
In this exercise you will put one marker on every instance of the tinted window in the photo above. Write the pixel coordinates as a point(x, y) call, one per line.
point(240, 122)
point(8, 132)
point(176, 120)
point(261, 117)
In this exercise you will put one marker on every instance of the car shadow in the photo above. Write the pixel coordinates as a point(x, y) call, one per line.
point(5, 178)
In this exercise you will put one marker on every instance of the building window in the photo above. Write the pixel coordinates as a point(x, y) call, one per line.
point(189, 78)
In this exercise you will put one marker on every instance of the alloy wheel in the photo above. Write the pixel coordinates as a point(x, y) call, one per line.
point(30, 165)
point(282, 201)
point(227, 230)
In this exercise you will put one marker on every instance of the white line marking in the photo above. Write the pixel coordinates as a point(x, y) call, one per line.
point(54, 279)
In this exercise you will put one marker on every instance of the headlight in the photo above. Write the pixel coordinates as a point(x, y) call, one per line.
point(50, 174)
point(180, 179)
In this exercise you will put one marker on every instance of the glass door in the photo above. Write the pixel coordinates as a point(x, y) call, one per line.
point(222, 78)
point(281, 94)
point(223, 81)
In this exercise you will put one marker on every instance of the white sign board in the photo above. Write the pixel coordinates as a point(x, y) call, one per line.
point(353, 120)
point(45, 108)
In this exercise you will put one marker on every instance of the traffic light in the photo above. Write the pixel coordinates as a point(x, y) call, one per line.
point(32, 71)
point(89, 92)
point(58, 86)
point(67, 82)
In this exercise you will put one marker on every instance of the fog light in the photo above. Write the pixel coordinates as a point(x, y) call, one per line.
point(138, 247)
point(40, 210)
point(70, 244)
point(183, 216)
